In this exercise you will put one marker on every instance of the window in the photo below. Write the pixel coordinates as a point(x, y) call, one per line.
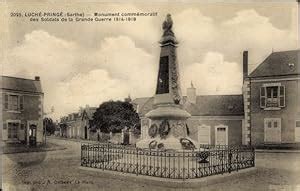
point(13, 102)
point(269, 124)
point(297, 131)
point(272, 122)
point(221, 129)
point(6, 101)
point(272, 96)
point(12, 130)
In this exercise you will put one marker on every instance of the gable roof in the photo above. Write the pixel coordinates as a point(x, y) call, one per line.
point(279, 64)
point(140, 101)
point(21, 84)
point(206, 105)
point(216, 105)
point(140, 104)
point(90, 112)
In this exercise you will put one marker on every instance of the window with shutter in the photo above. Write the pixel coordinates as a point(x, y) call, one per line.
point(21, 102)
point(281, 96)
point(263, 97)
point(272, 96)
point(14, 106)
point(6, 101)
point(13, 102)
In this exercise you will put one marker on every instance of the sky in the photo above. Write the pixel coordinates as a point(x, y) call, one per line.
point(88, 63)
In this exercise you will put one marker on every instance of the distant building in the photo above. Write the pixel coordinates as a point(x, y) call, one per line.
point(272, 93)
point(22, 110)
point(216, 119)
point(77, 125)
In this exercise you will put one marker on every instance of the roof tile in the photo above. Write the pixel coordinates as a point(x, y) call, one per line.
point(279, 64)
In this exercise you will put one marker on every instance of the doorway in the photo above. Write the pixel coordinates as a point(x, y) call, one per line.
point(221, 135)
point(85, 132)
point(126, 137)
point(204, 134)
point(272, 128)
point(32, 135)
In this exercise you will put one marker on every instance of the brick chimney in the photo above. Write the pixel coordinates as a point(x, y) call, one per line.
point(37, 78)
point(245, 65)
point(191, 94)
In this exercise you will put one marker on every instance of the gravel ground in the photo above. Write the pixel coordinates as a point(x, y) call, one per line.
point(58, 170)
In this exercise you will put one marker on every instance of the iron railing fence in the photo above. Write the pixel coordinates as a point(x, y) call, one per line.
point(206, 161)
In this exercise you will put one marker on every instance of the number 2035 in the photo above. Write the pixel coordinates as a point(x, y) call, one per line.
point(13, 14)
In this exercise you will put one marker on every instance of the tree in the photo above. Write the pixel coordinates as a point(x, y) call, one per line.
point(113, 116)
point(49, 125)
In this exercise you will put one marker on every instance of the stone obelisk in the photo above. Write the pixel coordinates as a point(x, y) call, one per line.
point(168, 128)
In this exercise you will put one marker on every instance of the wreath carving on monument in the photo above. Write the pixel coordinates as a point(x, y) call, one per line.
point(152, 130)
point(164, 129)
point(187, 144)
point(161, 146)
point(152, 144)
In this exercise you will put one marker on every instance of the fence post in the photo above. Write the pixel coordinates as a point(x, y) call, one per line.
point(229, 158)
point(108, 157)
point(237, 158)
point(183, 165)
point(93, 154)
point(80, 154)
point(137, 161)
point(88, 152)
point(103, 157)
point(253, 153)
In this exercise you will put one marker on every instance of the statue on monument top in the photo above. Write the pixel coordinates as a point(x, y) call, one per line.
point(168, 34)
point(167, 26)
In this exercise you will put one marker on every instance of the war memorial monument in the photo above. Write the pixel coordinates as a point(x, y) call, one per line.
point(168, 128)
point(167, 151)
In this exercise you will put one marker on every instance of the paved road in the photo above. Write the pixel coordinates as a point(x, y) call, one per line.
point(58, 170)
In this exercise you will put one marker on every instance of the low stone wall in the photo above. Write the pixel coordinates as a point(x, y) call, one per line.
point(101, 137)
point(116, 138)
point(133, 138)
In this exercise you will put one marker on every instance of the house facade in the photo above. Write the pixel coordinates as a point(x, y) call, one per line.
point(272, 101)
point(22, 110)
point(77, 125)
point(215, 120)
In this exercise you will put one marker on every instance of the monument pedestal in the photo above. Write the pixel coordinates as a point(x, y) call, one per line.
point(168, 129)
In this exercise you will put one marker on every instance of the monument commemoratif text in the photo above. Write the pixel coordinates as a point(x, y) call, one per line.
point(168, 128)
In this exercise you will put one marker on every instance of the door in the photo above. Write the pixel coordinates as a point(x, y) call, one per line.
point(126, 137)
point(85, 132)
point(272, 128)
point(297, 131)
point(32, 135)
point(204, 134)
point(221, 135)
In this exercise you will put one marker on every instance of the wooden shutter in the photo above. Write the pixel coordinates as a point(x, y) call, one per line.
point(6, 101)
point(281, 96)
point(21, 102)
point(263, 97)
